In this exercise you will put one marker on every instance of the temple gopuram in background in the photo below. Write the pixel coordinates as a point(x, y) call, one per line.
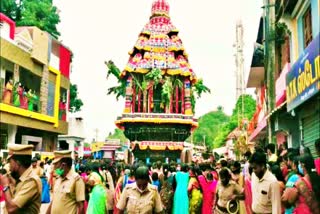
point(160, 89)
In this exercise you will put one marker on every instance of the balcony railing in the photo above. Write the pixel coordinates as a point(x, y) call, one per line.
point(29, 101)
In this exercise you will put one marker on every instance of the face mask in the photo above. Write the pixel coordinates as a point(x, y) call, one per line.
point(59, 171)
point(300, 169)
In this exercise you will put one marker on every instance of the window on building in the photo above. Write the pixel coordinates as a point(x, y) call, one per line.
point(50, 100)
point(63, 104)
point(307, 27)
point(63, 145)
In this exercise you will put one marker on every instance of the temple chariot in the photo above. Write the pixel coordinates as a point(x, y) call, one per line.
point(160, 88)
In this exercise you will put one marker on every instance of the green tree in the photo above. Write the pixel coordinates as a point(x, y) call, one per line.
point(118, 134)
point(9, 8)
point(75, 102)
point(39, 13)
point(238, 115)
point(209, 126)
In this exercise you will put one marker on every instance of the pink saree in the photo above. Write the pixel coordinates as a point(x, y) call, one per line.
point(248, 194)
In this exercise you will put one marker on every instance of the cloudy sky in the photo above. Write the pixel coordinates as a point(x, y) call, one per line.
point(100, 30)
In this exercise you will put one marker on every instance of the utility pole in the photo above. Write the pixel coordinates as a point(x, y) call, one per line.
point(96, 131)
point(239, 60)
point(269, 6)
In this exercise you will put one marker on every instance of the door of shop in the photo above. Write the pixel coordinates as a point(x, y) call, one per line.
point(311, 130)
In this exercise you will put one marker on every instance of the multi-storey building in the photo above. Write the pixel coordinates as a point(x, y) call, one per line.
point(303, 79)
point(74, 140)
point(296, 117)
point(34, 85)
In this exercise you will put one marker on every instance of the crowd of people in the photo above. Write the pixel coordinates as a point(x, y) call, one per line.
point(20, 96)
point(262, 182)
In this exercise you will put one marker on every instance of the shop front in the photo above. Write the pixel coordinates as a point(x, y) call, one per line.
point(285, 125)
point(303, 94)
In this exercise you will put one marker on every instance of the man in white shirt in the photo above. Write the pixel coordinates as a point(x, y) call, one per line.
point(265, 187)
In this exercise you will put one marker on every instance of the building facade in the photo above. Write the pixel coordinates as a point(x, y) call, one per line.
point(296, 118)
point(34, 87)
point(105, 150)
point(74, 140)
point(303, 79)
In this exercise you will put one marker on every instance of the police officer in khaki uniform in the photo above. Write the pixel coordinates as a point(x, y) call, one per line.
point(69, 188)
point(23, 188)
point(141, 196)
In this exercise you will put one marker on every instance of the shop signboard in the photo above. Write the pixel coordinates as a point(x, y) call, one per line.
point(303, 80)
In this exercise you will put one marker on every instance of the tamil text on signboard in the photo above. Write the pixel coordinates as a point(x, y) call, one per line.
point(303, 81)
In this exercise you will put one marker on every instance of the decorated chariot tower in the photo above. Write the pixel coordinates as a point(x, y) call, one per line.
point(159, 86)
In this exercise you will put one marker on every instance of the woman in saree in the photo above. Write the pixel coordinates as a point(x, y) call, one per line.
point(166, 192)
point(208, 185)
point(17, 90)
point(7, 95)
point(307, 189)
point(194, 190)
point(180, 198)
point(24, 99)
point(317, 161)
point(247, 171)
point(292, 178)
point(248, 192)
point(30, 100)
point(97, 201)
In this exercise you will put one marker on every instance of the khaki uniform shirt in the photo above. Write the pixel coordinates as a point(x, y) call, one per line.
point(37, 171)
point(266, 194)
point(67, 192)
point(135, 202)
point(27, 193)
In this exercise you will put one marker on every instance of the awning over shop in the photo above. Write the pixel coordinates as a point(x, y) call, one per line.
point(109, 147)
point(259, 131)
point(256, 77)
point(158, 145)
point(276, 109)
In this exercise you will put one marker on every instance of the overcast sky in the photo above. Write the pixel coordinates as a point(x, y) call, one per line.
point(100, 30)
